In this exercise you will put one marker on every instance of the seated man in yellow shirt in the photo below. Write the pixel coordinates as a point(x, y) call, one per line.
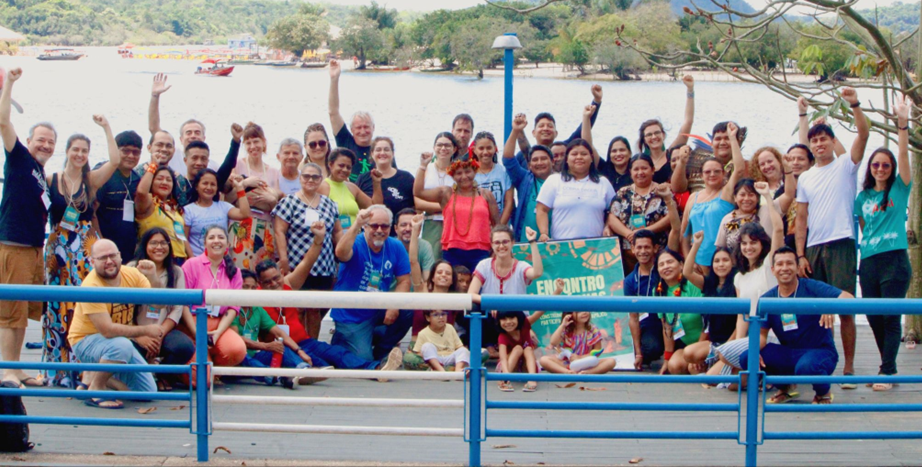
point(100, 332)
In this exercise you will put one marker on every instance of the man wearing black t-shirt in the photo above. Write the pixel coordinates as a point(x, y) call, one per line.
point(115, 212)
point(23, 214)
point(362, 126)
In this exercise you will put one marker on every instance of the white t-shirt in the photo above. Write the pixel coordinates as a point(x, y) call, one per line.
point(198, 219)
point(578, 205)
point(289, 187)
point(830, 191)
point(435, 179)
point(515, 284)
point(755, 283)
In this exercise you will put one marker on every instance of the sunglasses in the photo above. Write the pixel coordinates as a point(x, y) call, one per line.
point(316, 144)
point(880, 165)
point(311, 177)
point(378, 226)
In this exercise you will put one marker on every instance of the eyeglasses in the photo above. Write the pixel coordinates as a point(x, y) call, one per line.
point(438, 314)
point(315, 144)
point(159, 244)
point(653, 134)
point(107, 258)
point(880, 165)
point(502, 242)
point(311, 177)
point(444, 145)
point(130, 152)
point(378, 226)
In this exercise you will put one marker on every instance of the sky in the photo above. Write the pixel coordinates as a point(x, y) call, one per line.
point(430, 5)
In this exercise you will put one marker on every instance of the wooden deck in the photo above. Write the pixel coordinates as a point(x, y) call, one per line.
point(177, 447)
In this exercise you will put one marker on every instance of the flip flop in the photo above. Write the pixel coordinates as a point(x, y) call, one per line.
point(32, 382)
point(849, 385)
point(96, 402)
point(530, 387)
point(882, 387)
point(822, 400)
point(782, 397)
point(506, 387)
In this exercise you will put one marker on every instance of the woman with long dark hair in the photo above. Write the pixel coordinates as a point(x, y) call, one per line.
point(653, 137)
point(679, 329)
point(578, 197)
point(446, 150)
point(639, 206)
point(885, 269)
point(157, 205)
point(206, 207)
point(616, 168)
point(175, 347)
point(317, 147)
point(71, 236)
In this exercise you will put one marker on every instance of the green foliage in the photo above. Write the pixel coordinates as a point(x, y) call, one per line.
point(386, 19)
point(361, 37)
point(898, 17)
point(298, 33)
point(822, 56)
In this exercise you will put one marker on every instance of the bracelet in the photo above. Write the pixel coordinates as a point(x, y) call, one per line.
point(690, 95)
point(151, 168)
point(789, 173)
point(422, 167)
point(904, 128)
point(801, 256)
point(856, 104)
point(241, 194)
point(667, 356)
point(802, 115)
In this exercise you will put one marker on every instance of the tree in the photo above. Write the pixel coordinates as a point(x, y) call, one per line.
point(298, 33)
point(385, 19)
point(359, 38)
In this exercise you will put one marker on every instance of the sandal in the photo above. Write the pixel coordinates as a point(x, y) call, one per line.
point(98, 403)
point(881, 387)
point(848, 385)
point(506, 387)
point(530, 387)
point(782, 397)
point(163, 386)
point(823, 400)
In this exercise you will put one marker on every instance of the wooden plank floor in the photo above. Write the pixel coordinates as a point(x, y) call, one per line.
point(176, 443)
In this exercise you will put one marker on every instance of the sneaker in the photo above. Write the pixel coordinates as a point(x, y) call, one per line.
point(393, 362)
point(308, 380)
point(287, 383)
point(848, 385)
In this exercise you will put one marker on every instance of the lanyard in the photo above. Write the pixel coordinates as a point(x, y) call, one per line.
point(371, 258)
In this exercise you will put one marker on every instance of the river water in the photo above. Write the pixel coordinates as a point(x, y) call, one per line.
point(409, 107)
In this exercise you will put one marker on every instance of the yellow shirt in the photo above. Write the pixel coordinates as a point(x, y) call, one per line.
point(445, 343)
point(345, 201)
point(121, 313)
point(168, 222)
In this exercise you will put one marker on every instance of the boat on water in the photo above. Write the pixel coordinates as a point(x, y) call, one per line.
point(278, 63)
point(313, 64)
point(212, 67)
point(60, 55)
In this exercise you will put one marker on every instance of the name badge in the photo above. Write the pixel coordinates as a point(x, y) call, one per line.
point(153, 314)
point(250, 334)
point(789, 322)
point(644, 316)
point(69, 221)
point(179, 230)
point(678, 331)
point(214, 311)
point(46, 200)
point(345, 221)
point(311, 216)
point(128, 210)
point(638, 221)
point(285, 329)
point(374, 282)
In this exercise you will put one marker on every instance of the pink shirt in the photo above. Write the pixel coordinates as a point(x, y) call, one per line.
point(198, 276)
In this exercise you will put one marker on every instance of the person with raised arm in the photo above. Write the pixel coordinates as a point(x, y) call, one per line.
point(637, 207)
point(115, 210)
point(881, 205)
point(23, 216)
point(526, 180)
point(492, 176)
point(197, 157)
point(806, 341)
point(706, 208)
point(362, 126)
point(101, 332)
point(545, 131)
point(207, 209)
point(371, 262)
point(824, 233)
point(470, 212)
point(446, 149)
point(419, 249)
point(653, 136)
point(616, 168)
point(156, 206)
point(71, 237)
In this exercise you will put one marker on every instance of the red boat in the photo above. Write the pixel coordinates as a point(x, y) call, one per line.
point(216, 68)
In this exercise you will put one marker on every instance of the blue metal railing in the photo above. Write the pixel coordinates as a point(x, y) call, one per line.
point(748, 432)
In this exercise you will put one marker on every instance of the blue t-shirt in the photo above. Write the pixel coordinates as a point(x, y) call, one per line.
point(198, 219)
point(497, 182)
point(803, 331)
point(636, 285)
point(359, 274)
point(883, 230)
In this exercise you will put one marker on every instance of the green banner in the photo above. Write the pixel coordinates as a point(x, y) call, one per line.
point(589, 267)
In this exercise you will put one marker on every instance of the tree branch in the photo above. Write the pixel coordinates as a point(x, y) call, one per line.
point(524, 11)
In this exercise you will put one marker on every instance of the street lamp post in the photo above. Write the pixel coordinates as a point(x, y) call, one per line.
point(508, 42)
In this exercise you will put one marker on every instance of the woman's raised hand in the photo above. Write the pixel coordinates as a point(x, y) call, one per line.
point(901, 106)
point(762, 189)
point(236, 131)
point(424, 160)
point(100, 120)
point(664, 191)
point(698, 237)
point(417, 221)
point(530, 234)
point(689, 81)
point(559, 285)
point(319, 230)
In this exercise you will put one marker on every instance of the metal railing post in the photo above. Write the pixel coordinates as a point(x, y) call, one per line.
point(201, 381)
point(752, 386)
point(474, 418)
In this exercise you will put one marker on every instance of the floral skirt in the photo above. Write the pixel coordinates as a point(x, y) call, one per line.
point(67, 263)
point(251, 241)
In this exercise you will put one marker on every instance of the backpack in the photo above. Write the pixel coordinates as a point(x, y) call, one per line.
point(14, 437)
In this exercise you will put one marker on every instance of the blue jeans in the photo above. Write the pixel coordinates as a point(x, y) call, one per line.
point(371, 339)
point(323, 354)
point(781, 360)
point(95, 347)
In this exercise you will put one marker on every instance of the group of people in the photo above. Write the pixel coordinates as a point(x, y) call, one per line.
point(347, 219)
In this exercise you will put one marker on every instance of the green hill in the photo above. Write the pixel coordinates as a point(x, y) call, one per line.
point(899, 17)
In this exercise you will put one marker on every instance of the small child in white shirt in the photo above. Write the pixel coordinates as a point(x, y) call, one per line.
point(439, 344)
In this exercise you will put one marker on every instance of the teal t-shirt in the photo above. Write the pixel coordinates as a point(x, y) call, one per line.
point(255, 322)
point(530, 207)
point(690, 325)
point(883, 230)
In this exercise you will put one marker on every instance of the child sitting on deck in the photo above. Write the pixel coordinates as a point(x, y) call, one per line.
point(439, 344)
point(579, 341)
point(516, 340)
